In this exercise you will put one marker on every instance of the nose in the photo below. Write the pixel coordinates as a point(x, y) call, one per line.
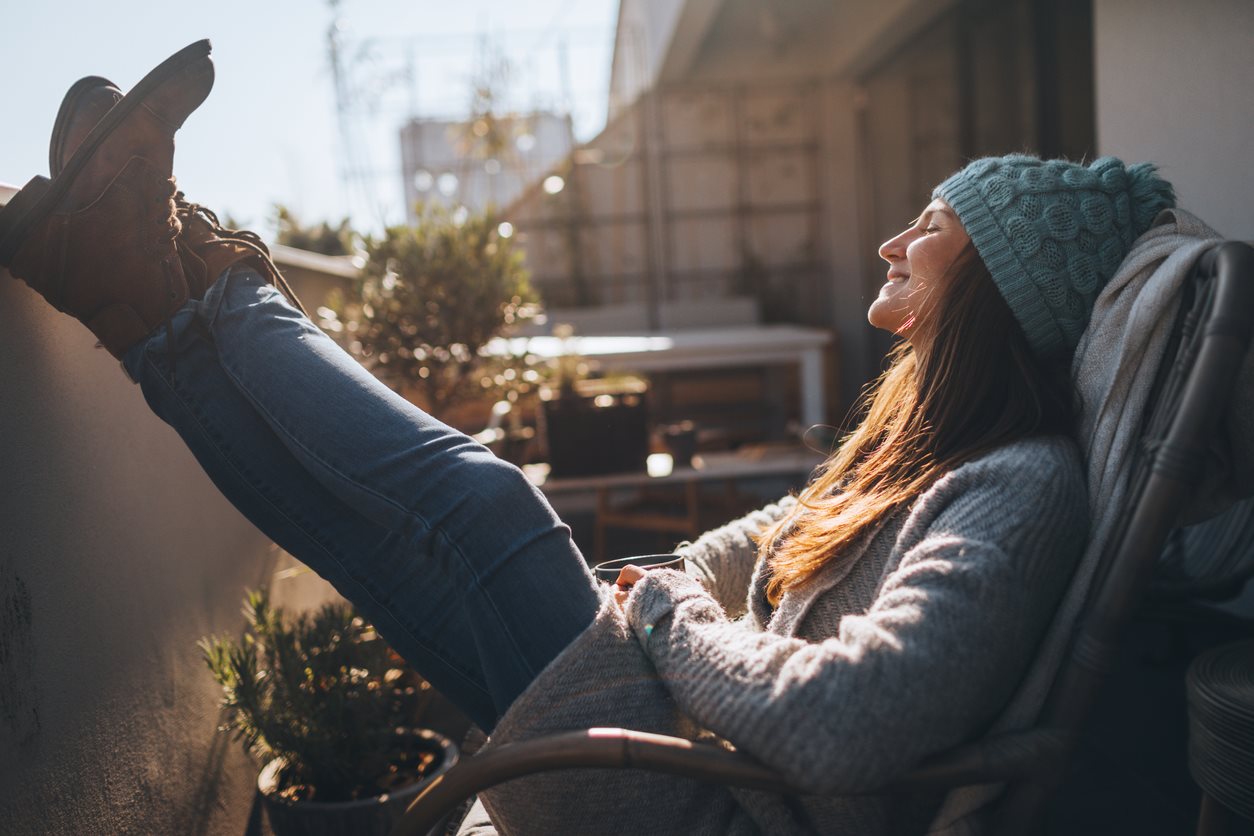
point(894, 249)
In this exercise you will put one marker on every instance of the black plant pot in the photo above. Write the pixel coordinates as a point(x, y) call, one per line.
point(591, 436)
point(364, 817)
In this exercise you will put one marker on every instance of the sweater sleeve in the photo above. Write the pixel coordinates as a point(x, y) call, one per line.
point(722, 559)
point(926, 667)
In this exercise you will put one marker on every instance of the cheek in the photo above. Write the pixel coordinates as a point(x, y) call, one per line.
point(932, 256)
point(922, 258)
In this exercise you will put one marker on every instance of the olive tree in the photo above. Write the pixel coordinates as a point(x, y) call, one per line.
point(431, 297)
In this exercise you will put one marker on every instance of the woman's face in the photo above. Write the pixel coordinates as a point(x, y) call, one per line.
point(918, 260)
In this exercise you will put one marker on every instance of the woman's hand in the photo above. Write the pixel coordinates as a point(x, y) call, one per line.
point(627, 577)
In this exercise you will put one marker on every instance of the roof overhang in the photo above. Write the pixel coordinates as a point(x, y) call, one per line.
point(689, 34)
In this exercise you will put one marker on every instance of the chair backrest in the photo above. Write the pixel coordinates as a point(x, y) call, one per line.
point(1191, 393)
point(1192, 390)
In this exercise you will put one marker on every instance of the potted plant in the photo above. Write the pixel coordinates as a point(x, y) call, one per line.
point(596, 426)
point(331, 707)
point(592, 426)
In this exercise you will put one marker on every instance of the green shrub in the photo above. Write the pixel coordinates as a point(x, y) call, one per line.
point(431, 297)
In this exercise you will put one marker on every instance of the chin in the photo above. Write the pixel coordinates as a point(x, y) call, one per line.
point(883, 320)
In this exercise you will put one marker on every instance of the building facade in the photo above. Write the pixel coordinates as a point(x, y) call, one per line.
point(763, 150)
point(479, 163)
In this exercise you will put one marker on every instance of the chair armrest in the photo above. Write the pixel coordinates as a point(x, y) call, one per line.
point(994, 760)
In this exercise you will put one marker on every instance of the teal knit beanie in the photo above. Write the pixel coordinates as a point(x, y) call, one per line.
point(1052, 233)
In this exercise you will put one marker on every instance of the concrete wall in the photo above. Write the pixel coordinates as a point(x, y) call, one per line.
point(721, 203)
point(1173, 86)
point(116, 555)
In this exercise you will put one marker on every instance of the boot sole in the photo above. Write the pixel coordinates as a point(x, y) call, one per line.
point(15, 225)
point(68, 105)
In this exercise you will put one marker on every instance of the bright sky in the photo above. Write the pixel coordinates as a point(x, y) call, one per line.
point(268, 131)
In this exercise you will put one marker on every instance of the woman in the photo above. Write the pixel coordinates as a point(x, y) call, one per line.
point(889, 610)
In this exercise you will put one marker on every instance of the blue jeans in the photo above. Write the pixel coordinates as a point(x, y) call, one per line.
point(454, 557)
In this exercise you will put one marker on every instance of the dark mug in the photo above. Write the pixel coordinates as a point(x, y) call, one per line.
point(608, 571)
point(681, 441)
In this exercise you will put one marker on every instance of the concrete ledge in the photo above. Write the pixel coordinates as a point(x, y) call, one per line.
point(116, 554)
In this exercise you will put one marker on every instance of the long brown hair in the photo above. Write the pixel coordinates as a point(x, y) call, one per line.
point(974, 385)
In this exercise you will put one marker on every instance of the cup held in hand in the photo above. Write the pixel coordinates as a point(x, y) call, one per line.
point(608, 571)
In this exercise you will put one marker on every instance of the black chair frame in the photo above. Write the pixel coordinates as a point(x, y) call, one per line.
point(1194, 385)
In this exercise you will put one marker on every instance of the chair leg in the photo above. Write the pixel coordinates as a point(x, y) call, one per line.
point(1214, 819)
point(598, 541)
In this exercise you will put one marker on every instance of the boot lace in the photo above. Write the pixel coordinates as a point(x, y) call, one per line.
point(244, 236)
point(172, 226)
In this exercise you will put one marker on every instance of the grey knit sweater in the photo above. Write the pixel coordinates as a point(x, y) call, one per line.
point(908, 645)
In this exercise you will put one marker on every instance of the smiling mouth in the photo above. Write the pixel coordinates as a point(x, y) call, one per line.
point(897, 278)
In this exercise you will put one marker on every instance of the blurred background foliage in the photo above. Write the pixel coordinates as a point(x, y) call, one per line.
point(432, 296)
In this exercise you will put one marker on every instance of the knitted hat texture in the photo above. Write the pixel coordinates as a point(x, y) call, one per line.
point(1052, 233)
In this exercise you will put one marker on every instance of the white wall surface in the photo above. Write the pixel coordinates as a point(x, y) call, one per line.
point(1175, 85)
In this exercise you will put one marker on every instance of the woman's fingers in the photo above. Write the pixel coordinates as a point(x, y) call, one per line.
point(628, 575)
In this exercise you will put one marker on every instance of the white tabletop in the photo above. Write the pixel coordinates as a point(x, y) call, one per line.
point(746, 463)
point(695, 349)
point(698, 347)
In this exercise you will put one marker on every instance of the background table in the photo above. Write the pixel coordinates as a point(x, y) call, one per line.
point(696, 349)
point(687, 519)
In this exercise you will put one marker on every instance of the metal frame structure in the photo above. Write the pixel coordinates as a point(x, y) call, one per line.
point(659, 147)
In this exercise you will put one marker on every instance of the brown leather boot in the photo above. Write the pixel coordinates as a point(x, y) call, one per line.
point(97, 240)
point(206, 248)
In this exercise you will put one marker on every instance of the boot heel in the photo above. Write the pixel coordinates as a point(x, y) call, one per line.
point(17, 218)
point(69, 105)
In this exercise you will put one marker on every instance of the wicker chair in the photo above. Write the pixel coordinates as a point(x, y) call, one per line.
point(1191, 392)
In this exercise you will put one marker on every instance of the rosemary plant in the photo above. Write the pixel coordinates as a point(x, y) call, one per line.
point(323, 692)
